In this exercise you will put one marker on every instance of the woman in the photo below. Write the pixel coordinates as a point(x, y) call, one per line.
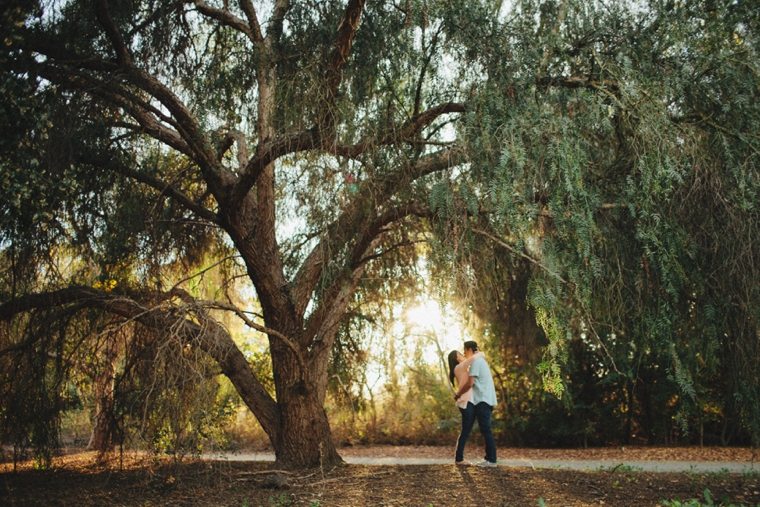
point(459, 368)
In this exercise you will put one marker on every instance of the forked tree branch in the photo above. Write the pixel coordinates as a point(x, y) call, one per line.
point(380, 224)
point(253, 20)
point(250, 29)
point(311, 270)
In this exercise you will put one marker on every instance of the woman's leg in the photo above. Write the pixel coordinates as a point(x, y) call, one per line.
point(468, 419)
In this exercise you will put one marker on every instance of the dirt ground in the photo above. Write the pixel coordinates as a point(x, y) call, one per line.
point(79, 480)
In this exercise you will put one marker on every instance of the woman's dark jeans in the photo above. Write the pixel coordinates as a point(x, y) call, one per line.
point(481, 412)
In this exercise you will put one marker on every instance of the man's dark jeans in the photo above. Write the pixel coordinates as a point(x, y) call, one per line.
point(481, 412)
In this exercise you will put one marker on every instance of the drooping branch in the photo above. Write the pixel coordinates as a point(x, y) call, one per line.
point(251, 28)
point(263, 329)
point(514, 250)
point(163, 187)
point(156, 313)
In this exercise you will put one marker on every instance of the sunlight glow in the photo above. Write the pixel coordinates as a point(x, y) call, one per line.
point(434, 326)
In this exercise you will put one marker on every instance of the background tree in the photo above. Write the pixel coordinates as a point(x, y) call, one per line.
point(614, 147)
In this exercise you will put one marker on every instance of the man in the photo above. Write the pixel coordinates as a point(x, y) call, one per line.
point(481, 404)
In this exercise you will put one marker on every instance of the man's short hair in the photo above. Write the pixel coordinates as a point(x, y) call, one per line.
point(471, 346)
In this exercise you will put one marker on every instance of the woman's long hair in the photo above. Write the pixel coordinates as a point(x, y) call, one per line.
point(453, 362)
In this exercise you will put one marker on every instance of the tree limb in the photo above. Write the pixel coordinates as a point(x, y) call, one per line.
point(380, 224)
point(346, 33)
point(253, 20)
point(211, 338)
point(250, 29)
point(406, 133)
point(311, 270)
point(268, 152)
point(123, 56)
point(163, 187)
point(262, 329)
point(521, 254)
point(576, 82)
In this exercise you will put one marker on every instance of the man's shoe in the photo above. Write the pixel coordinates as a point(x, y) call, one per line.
point(486, 464)
point(462, 463)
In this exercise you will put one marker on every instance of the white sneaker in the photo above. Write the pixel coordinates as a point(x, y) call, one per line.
point(486, 464)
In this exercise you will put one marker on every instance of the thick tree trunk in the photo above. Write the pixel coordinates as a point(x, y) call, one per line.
point(305, 440)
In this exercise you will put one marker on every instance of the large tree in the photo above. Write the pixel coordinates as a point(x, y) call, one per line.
point(226, 111)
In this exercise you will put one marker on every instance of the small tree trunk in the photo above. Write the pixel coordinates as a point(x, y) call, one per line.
point(104, 430)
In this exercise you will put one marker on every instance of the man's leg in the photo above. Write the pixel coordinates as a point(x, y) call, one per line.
point(483, 413)
point(468, 419)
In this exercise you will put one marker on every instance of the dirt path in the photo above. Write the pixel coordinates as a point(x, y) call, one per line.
point(591, 465)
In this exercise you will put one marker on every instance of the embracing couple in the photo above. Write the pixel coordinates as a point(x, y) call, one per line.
point(476, 399)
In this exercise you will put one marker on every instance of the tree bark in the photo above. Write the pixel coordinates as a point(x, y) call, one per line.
point(104, 431)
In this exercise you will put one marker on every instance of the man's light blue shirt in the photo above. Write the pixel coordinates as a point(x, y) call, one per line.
point(483, 390)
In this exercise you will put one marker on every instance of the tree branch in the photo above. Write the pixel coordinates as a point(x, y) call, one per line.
point(104, 18)
point(380, 225)
point(368, 258)
point(268, 152)
point(250, 29)
point(576, 82)
point(604, 206)
point(521, 254)
point(406, 133)
point(311, 270)
point(253, 20)
point(210, 337)
point(163, 187)
point(346, 34)
point(262, 329)
point(58, 66)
